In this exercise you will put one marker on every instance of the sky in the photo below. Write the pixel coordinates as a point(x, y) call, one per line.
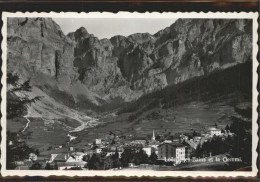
point(109, 27)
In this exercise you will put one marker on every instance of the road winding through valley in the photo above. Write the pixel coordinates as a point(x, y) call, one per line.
point(27, 124)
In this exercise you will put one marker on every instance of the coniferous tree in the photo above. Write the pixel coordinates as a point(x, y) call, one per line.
point(153, 158)
point(36, 166)
point(16, 107)
point(94, 162)
point(115, 158)
point(194, 133)
point(15, 150)
point(56, 167)
point(141, 157)
point(48, 167)
point(86, 158)
point(227, 127)
point(242, 141)
point(108, 163)
point(37, 152)
point(127, 157)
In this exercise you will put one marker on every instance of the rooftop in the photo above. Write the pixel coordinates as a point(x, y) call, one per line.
point(173, 144)
point(154, 142)
point(61, 158)
point(213, 128)
point(77, 153)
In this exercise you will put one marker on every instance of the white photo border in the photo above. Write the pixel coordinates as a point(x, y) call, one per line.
point(133, 173)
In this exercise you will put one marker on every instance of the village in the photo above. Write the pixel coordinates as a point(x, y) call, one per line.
point(125, 152)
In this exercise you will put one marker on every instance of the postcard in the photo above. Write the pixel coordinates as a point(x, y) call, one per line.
point(129, 94)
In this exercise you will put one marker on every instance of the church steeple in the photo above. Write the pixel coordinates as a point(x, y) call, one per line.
point(153, 138)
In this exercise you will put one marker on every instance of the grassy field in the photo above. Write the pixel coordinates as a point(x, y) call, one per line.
point(42, 134)
point(16, 124)
point(194, 116)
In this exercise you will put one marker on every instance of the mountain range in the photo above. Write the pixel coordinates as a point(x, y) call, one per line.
point(81, 72)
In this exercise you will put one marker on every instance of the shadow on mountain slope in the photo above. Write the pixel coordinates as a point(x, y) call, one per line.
point(234, 84)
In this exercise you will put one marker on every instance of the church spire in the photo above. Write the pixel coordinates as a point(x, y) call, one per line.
point(153, 138)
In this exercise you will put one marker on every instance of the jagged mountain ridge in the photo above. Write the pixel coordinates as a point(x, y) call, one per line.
point(97, 72)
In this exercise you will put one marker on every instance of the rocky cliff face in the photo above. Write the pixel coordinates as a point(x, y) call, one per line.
point(38, 46)
point(124, 67)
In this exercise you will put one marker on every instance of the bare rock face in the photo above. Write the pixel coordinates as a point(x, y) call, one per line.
point(37, 45)
point(126, 67)
point(145, 62)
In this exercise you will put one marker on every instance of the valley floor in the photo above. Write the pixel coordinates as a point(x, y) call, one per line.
point(195, 116)
point(53, 137)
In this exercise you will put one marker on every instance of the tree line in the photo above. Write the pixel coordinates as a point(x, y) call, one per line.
point(130, 155)
point(239, 145)
point(17, 149)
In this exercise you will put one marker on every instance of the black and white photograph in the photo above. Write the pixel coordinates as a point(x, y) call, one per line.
point(103, 93)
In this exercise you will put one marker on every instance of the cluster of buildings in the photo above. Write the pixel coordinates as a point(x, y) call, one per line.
point(172, 150)
point(180, 151)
